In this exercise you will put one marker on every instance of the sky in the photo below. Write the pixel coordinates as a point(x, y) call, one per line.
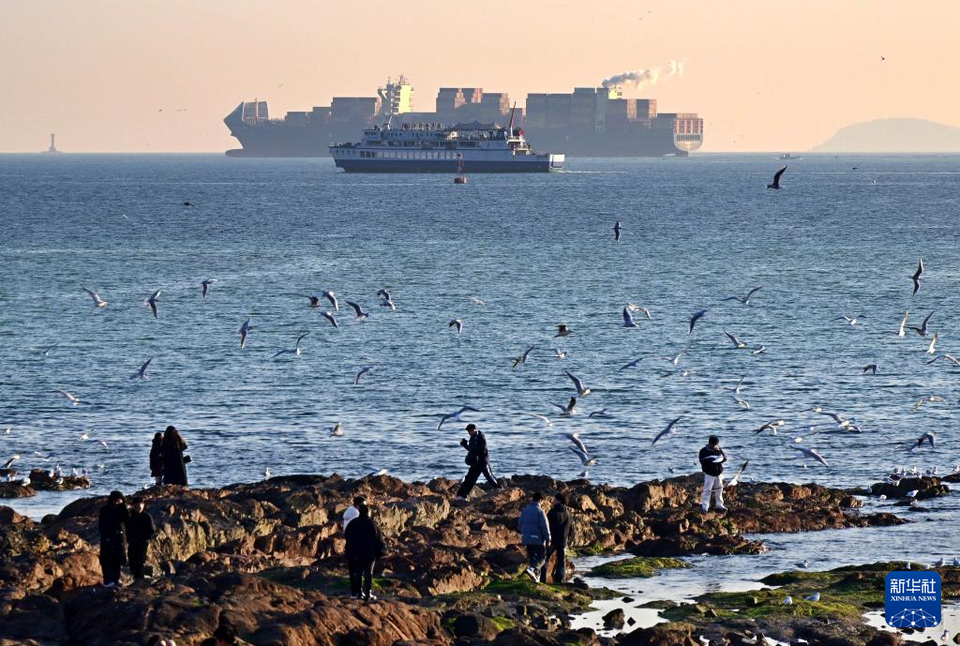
point(159, 76)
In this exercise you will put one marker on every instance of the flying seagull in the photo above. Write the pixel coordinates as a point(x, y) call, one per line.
point(562, 330)
point(142, 372)
point(477, 301)
point(457, 323)
point(543, 418)
point(745, 299)
point(631, 364)
point(926, 437)
point(737, 343)
point(362, 372)
point(361, 315)
point(638, 308)
point(386, 300)
point(576, 439)
point(675, 360)
point(628, 318)
point(73, 399)
point(205, 285)
point(811, 453)
point(871, 368)
point(456, 415)
point(330, 296)
point(522, 359)
point(770, 426)
point(296, 350)
point(946, 357)
point(776, 179)
point(585, 459)
point(97, 301)
point(902, 332)
point(853, 321)
point(152, 302)
point(736, 478)
point(329, 316)
point(616, 231)
point(916, 278)
point(581, 391)
point(933, 343)
point(569, 409)
point(696, 317)
point(929, 399)
point(243, 332)
point(669, 430)
point(923, 330)
point(314, 301)
point(337, 430)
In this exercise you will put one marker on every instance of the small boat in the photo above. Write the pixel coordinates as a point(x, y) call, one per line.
point(789, 156)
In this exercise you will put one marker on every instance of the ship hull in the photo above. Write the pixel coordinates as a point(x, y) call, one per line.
point(644, 143)
point(444, 166)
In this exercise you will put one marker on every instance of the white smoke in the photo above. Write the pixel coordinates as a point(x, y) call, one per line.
point(643, 78)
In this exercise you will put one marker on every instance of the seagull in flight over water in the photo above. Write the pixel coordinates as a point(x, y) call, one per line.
point(456, 415)
point(361, 315)
point(570, 409)
point(457, 323)
point(696, 317)
point(927, 437)
point(73, 399)
point(776, 179)
point(737, 343)
point(522, 359)
point(330, 296)
point(563, 330)
point(142, 372)
point(296, 350)
point(362, 372)
point(97, 301)
point(205, 285)
point(669, 430)
point(902, 332)
point(916, 278)
point(923, 330)
point(745, 299)
point(812, 453)
point(152, 302)
point(853, 321)
point(330, 317)
point(243, 332)
point(581, 391)
point(628, 318)
point(616, 231)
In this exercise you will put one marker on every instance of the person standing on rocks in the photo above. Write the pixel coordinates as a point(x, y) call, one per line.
point(111, 523)
point(711, 463)
point(140, 529)
point(174, 463)
point(156, 458)
point(534, 535)
point(561, 527)
point(364, 546)
point(478, 459)
point(350, 514)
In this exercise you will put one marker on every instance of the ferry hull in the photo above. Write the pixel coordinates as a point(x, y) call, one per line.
point(444, 166)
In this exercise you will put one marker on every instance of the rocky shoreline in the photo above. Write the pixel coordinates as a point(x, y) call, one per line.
point(266, 558)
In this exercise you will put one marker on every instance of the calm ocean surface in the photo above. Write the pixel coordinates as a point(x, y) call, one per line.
point(539, 251)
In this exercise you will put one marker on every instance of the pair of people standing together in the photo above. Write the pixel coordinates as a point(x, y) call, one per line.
point(168, 464)
point(124, 538)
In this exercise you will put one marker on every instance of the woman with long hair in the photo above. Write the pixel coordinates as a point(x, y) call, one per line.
point(156, 458)
point(174, 466)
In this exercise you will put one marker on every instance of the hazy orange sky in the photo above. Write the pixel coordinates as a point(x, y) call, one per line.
point(764, 75)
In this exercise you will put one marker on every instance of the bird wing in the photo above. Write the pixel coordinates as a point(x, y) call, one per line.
point(732, 338)
point(356, 308)
point(627, 317)
point(776, 176)
point(584, 458)
point(576, 382)
point(753, 291)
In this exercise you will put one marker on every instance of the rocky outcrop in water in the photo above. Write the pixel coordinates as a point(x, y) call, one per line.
point(266, 558)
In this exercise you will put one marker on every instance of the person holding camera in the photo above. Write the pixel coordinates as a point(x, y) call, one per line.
point(478, 459)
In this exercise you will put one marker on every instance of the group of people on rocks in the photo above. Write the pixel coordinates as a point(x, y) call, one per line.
point(168, 464)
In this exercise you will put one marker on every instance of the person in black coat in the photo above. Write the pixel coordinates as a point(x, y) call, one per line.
point(156, 458)
point(364, 546)
point(561, 528)
point(174, 465)
point(140, 529)
point(111, 523)
point(478, 459)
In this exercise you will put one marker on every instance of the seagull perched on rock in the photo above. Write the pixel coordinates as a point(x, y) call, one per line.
point(745, 299)
point(522, 359)
point(330, 317)
point(563, 330)
point(456, 415)
point(628, 318)
point(916, 277)
point(457, 323)
point(97, 301)
point(142, 372)
point(924, 329)
point(362, 372)
point(296, 349)
point(788, 601)
point(570, 409)
point(581, 391)
point(669, 430)
point(152, 302)
point(776, 179)
point(813, 454)
point(927, 437)
point(243, 332)
point(737, 343)
point(361, 315)
point(330, 296)
point(205, 286)
point(696, 317)
point(813, 597)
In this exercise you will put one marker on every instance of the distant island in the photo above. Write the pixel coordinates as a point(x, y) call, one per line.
point(894, 136)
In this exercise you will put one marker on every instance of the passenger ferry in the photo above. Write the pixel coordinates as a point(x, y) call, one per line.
point(432, 148)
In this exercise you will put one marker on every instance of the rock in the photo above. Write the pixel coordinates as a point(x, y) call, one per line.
point(926, 487)
point(614, 620)
point(16, 490)
point(474, 625)
point(43, 480)
point(673, 634)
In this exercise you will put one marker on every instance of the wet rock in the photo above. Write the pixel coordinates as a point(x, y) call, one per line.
point(16, 489)
point(614, 620)
point(679, 634)
point(926, 487)
point(43, 480)
point(474, 625)
point(884, 638)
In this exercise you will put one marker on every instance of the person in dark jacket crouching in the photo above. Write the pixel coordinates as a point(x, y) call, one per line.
point(111, 523)
point(364, 546)
point(561, 528)
point(140, 529)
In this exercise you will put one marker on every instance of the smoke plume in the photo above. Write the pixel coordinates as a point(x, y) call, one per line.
point(643, 78)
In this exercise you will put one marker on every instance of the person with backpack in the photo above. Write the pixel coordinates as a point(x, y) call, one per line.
point(478, 459)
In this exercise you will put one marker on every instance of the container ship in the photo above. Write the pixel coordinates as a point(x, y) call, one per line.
point(588, 122)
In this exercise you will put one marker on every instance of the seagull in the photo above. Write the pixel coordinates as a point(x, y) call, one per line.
point(761, 350)
point(770, 426)
point(84, 437)
point(602, 413)
point(97, 301)
point(314, 301)
point(736, 479)
point(926, 437)
point(630, 365)
point(330, 296)
point(745, 299)
point(929, 399)
point(804, 564)
point(458, 323)
point(788, 601)
point(741, 402)
point(152, 302)
point(522, 359)
point(337, 430)
point(296, 350)
point(916, 278)
point(185, 202)
point(543, 418)
point(103, 444)
point(205, 286)
point(616, 231)
point(696, 317)
point(813, 597)
point(243, 332)
point(383, 294)
point(585, 460)
point(379, 472)
point(329, 316)
point(923, 329)
point(562, 330)
point(737, 343)
point(871, 368)
point(386, 300)
point(669, 430)
point(142, 372)
point(560, 354)
point(675, 360)
point(73, 399)
point(946, 357)
point(47, 350)
point(912, 493)
point(266, 472)
point(628, 318)
point(362, 372)
point(812, 453)
point(853, 321)
point(576, 439)
point(639, 308)
point(455, 416)
point(902, 332)
point(361, 315)
point(776, 179)
point(932, 349)
point(581, 391)
point(8, 463)
point(569, 409)
point(477, 301)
